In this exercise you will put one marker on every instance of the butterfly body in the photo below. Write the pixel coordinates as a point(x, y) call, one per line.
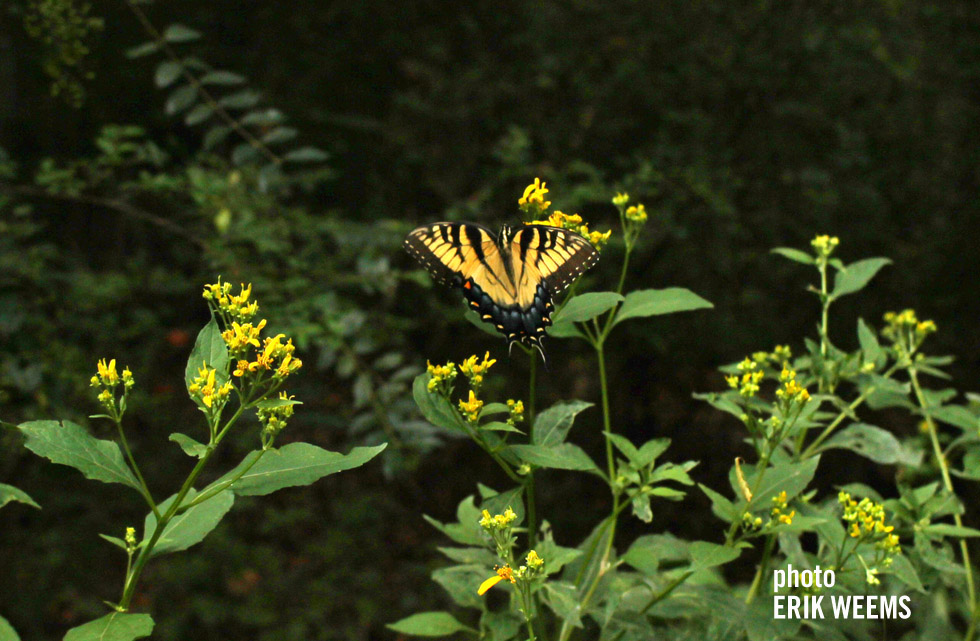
point(508, 279)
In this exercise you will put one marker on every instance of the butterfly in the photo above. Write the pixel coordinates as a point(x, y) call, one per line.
point(510, 278)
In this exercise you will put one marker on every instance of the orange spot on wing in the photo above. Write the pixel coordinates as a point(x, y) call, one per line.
point(467, 285)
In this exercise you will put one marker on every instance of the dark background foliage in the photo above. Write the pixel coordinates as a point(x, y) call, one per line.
point(741, 125)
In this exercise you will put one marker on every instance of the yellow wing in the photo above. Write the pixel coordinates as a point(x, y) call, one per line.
point(451, 252)
point(550, 255)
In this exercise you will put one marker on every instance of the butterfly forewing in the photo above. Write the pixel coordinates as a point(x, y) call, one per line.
point(450, 251)
point(558, 255)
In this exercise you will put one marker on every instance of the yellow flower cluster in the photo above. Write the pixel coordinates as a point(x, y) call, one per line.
point(239, 337)
point(906, 329)
point(781, 354)
point(533, 198)
point(205, 387)
point(532, 567)
point(636, 213)
point(474, 371)
point(791, 390)
point(497, 521)
point(748, 383)
point(273, 419)
point(620, 199)
point(778, 514)
point(471, 408)
point(825, 245)
point(108, 378)
point(238, 307)
point(516, 411)
point(574, 222)
point(867, 520)
point(440, 376)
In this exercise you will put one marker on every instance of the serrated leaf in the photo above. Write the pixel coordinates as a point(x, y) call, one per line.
point(874, 443)
point(189, 445)
point(167, 73)
point(562, 598)
point(221, 78)
point(292, 465)
point(905, 572)
point(552, 425)
point(555, 556)
point(791, 478)
point(10, 493)
point(209, 349)
point(708, 555)
point(68, 443)
point(854, 277)
point(430, 624)
point(118, 626)
point(794, 255)
point(180, 33)
point(190, 527)
point(461, 582)
point(655, 302)
point(306, 154)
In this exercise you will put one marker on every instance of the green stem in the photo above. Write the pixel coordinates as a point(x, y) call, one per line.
point(948, 483)
point(763, 565)
point(144, 490)
point(204, 496)
point(147, 550)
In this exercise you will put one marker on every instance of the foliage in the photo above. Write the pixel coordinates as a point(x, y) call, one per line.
point(219, 366)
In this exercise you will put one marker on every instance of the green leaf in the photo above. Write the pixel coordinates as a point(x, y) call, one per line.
point(241, 100)
point(855, 276)
point(564, 456)
point(7, 632)
point(430, 624)
point(648, 551)
point(497, 502)
point(279, 135)
point(956, 415)
point(795, 255)
point(215, 136)
point(263, 117)
point(562, 598)
point(905, 572)
point(68, 443)
point(462, 582)
point(293, 465)
point(10, 493)
point(189, 528)
point(473, 318)
point(874, 443)
point(144, 49)
point(434, 407)
point(555, 556)
point(625, 447)
point(189, 445)
point(466, 530)
point(499, 426)
point(650, 450)
point(306, 154)
point(789, 477)
point(180, 99)
point(180, 33)
point(869, 343)
point(502, 626)
point(115, 540)
point(551, 426)
point(586, 306)
point(198, 114)
point(947, 529)
point(167, 72)
point(721, 507)
point(118, 626)
point(222, 78)
point(210, 349)
point(708, 555)
point(655, 302)
point(583, 570)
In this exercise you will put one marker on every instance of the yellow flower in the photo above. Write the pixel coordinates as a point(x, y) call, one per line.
point(237, 307)
point(533, 198)
point(621, 199)
point(533, 560)
point(503, 573)
point(825, 245)
point(108, 372)
point(516, 411)
point(241, 336)
point(598, 239)
point(787, 519)
point(471, 408)
point(636, 214)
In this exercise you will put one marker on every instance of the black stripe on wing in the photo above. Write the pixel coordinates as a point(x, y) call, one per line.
point(448, 250)
point(559, 254)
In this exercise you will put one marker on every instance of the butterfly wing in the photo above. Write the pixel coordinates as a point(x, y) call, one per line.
point(450, 252)
point(553, 255)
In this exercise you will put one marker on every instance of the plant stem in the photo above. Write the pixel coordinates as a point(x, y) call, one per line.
point(948, 483)
point(763, 565)
point(144, 490)
point(147, 550)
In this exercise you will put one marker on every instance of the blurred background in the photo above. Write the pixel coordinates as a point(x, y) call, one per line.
point(324, 132)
